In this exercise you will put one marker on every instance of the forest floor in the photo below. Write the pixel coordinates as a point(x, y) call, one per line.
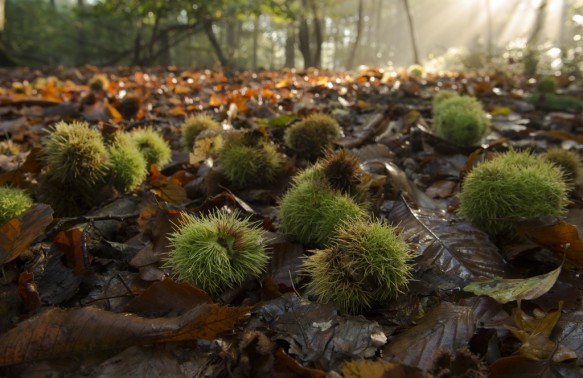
point(88, 296)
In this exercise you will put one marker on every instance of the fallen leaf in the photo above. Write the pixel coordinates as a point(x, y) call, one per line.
point(378, 369)
point(447, 244)
point(62, 332)
point(71, 242)
point(507, 290)
point(17, 234)
point(446, 327)
point(286, 363)
point(28, 292)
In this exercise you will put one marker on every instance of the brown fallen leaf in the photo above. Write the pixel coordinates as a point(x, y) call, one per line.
point(70, 242)
point(446, 327)
point(17, 234)
point(28, 292)
point(285, 363)
point(379, 369)
point(62, 332)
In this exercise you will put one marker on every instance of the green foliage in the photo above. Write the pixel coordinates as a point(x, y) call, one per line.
point(152, 146)
point(310, 212)
point(555, 102)
point(461, 120)
point(366, 263)
point(75, 154)
point(247, 162)
point(217, 251)
point(193, 126)
point(568, 160)
point(309, 137)
point(127, 164)
point(441, 96)
point(547, 84)
point(13, 202)
point(513, 184)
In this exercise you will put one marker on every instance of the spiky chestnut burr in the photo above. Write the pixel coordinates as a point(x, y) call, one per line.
point(512, 184)
point(366, 263)
point(309, 137)
point(341, 171)
point(217, 251)
point(461, 120)
point(193, 126)
point(13, 202)
point(310, 212)
point(75, 154)
point(568, 161)
point(248, 160)
point(127, 164)
point(151, 144)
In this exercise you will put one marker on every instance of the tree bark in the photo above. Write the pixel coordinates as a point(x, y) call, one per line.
point(208, 29)
point(317, 21)
point(304, 40)
point(412, 32)
point(290, 46)
point(352, 55)
point(255, 43)
point(531, 58)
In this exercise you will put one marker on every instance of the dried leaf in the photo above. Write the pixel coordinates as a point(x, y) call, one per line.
point(378, 369)
point(166, 188)
point(28, 292)
point(507, 290)
point(446, 327)
point(17, 234)
point(62, 332)
point(447, 244)
point(569, 332)
point(286, 363)
point(70, 242)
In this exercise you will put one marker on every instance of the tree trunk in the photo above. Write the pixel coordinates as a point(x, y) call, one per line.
point(165, 56)
point(304, 40)
point(208, 29)
point(352, 54)
point(255, 43)
point(412, 32)
point(2, 14)
point(290, 46)
point(531, 58)
point(137, 48)
point(317, 21)
point(80, 58)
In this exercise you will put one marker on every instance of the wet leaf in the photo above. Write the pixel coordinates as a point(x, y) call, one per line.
point(446, 327)
point(507, 290)
point(28, 292)
point(167, 298)
point(17, 234)
point(447, 244)
point(569, 332)
point(62, 332)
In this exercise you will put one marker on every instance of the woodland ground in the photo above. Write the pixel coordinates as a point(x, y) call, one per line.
point(70, 283)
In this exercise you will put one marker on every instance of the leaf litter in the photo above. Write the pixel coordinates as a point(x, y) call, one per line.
point(94, 285)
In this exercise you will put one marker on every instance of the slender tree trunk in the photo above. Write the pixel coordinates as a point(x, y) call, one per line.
point(290, 46)
point(490, 31)
point(80, 58)
point(3, 14)
point(412, 32)
point(255, 43)
point(317, 21)
point(137, 47)
point(304, 41)
point(531, 58)
point(208, 29)
point(153, 38)
point(165, 57)
point(352, 54)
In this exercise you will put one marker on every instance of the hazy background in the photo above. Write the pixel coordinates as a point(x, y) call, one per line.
point(271, 34)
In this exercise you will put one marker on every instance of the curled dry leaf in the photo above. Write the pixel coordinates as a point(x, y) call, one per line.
point(62, 332)
point(447, 244)
point(507, 290)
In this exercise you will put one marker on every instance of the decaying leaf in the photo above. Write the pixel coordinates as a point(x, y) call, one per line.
point(446, 327)
point(447, 244)
point(507, 290)
point(378, 369)
point(60, 332)
point(534, 334)
point(17, 234)
point(166, 188)
point(286, 363)
point(71, 242)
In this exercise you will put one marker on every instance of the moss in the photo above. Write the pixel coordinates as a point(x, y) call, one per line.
point(217, 251)
point(547, 84)
point(13, 202)
point(441, 96)
point(152, 146)
point(310, 212)
point(555, 102)
point(309, 137)
point(193, 126)
point(513, 184)
point(461, 120)
point(366, 263)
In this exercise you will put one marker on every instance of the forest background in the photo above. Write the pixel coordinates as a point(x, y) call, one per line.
point(528, 36)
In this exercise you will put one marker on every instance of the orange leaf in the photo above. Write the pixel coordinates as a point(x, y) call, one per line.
point(70, 242)
point(17, 234)
point(62, 332)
